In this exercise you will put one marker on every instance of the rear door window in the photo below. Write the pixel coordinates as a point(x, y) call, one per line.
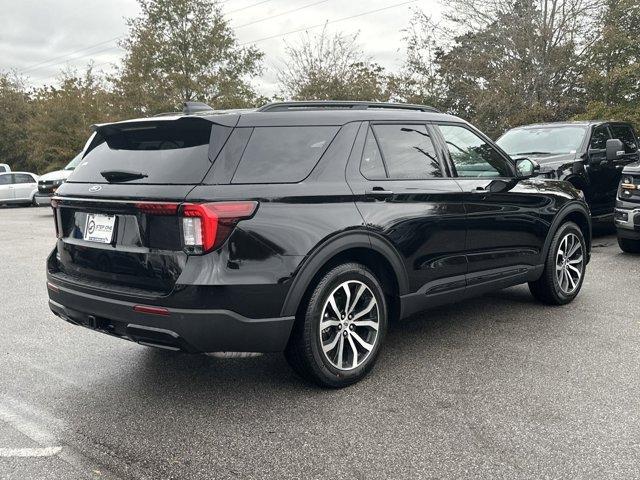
point(407, 152)
point(283, 154)
point(6, 179)
point(165, 152)
point(23, 178)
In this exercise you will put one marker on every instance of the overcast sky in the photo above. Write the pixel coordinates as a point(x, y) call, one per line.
point(40, 37)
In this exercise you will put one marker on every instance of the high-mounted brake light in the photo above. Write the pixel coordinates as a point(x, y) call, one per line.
point(205, 226)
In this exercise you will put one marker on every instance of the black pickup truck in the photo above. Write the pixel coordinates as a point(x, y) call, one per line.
point(588, 154)
point(627, 216)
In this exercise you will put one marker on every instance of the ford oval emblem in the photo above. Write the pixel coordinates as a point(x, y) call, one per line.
point(95, 188)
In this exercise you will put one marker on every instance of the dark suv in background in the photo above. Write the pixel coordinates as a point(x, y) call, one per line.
point(590, 155)
point(627, 215)
point(302, 227)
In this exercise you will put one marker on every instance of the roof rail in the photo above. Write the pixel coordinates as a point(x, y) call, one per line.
point(340, 105)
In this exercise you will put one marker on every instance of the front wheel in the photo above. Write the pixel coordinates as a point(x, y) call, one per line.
point(338, 336)
point(629, 245)
point(564, 268)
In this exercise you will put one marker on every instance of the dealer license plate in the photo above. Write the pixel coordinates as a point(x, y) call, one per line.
point(99, 228)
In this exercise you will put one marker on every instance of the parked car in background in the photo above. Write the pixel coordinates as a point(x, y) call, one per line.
point(590, 155)
point(627, 216)
point(49, 182)
point(18, 188)
point(4, 168)
point(303, 227)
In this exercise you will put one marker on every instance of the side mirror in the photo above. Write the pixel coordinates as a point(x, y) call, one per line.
point(527, 168)
point(615, 149)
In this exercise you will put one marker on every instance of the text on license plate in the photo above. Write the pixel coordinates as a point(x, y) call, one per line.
point(99, 228)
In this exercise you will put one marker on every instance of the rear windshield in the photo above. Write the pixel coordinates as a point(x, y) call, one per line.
point(163, 152)
point(282, 154)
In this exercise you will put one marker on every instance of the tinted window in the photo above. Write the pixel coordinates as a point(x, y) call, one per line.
point(3, 168)
point(175, 151)
point(542, 140)
point(282, 154)
point(407, 151)
point(5, 179)
point(23, 178)
point(472, 156)
point(599, 138)
point(371, 165)
point(625, 134)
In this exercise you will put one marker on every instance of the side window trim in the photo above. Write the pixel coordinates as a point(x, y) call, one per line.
point(441, 150)
point(454, 173)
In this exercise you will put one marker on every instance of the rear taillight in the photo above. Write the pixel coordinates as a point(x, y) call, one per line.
point(205, 226)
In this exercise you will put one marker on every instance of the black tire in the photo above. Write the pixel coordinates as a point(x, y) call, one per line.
point(629, 245)
point(547, 289)
point(304, 351)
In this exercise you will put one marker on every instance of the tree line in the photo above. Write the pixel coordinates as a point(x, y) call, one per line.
point(496, 63)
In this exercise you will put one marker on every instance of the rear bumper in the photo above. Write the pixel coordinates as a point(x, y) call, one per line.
point(190, 330)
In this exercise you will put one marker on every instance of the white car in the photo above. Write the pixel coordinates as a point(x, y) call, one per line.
point(49, 182)
point(18, 187)
point(4, 168)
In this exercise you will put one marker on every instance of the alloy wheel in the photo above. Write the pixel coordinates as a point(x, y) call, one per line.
point(569, 263)
point(349, 325)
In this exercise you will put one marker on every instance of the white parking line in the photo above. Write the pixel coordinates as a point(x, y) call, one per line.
point(29, 452)
point(35, 423)
point(26, 427)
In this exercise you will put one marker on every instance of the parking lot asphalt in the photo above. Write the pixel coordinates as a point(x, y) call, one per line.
point(494, 387)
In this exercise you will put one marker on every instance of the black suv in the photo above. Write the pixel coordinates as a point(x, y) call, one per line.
point(627, 215)
point(302, 227)
point(590, 155)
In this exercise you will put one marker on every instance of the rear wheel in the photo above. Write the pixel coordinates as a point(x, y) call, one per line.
point(564, 268)
point(629, 245)
point(338, 336)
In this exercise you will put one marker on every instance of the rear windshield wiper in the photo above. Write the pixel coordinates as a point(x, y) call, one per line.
point(122, 175)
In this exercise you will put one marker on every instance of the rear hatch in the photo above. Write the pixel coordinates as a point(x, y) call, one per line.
point(117, 215)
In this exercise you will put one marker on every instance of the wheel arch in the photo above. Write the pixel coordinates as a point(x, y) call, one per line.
point(574, 212)
point(371, 250)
